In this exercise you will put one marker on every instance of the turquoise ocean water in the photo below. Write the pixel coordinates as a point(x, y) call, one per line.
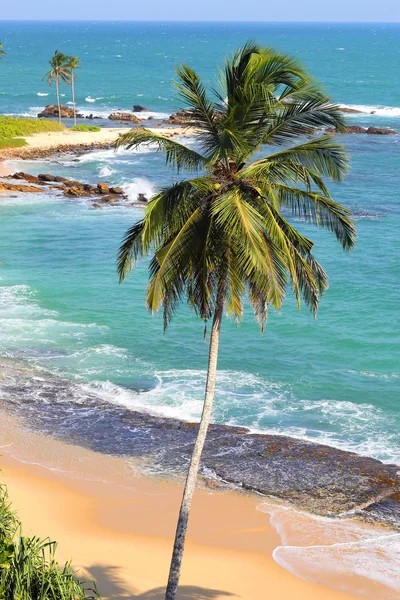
point(334, 380)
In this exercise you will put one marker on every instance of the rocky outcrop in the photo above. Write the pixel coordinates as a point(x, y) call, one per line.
point(124, 116)
point(364, 130)
point(16, 187)
point(183, 117)
point(51, 111)
point(345, 109)
point(139, 108)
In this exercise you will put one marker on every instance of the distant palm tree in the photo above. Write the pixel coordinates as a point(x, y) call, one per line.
point(2, 52)
point(224, 235)
point(59, 72)
point(73, 64)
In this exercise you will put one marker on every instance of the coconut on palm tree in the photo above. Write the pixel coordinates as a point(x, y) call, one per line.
point(73, 63)
point(59, 72)
point(225, 235)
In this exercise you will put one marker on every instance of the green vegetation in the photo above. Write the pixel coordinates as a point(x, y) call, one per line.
point(2, 52)
point(9, 143)
point(11, 127)
point(28, 568)
point(222, 236)
point(85, 128)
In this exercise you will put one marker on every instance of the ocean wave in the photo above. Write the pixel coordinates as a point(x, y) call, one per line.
point(340, 553)
point(377, 110)
point(42, 94)
point(140, 185)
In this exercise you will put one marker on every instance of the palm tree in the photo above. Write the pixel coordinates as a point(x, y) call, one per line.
point(73, 64)
point(59, 72)
point(223, 235)
point(2, 52)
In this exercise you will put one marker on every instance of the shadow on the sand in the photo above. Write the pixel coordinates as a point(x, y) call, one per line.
point(111, 586)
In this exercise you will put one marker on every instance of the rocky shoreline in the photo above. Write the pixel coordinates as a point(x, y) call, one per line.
point(317, 478)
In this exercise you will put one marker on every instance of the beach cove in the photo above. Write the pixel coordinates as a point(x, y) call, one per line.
point(98, 407)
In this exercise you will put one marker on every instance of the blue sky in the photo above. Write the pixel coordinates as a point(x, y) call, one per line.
point(205, 10)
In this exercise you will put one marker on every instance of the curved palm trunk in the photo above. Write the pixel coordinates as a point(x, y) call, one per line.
point(180, 535)
point(58, 100)
point(73, 96)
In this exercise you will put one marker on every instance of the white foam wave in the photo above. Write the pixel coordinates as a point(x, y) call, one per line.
point(42, 94)
point(378, 110)
point(89, 99)
point(106, 171)
point(339, 553)
point(140, 185)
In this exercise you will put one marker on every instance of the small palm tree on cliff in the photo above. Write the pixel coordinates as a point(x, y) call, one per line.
point(2, 52)
point(59, 72)
point(73, 63)
point(224, 235)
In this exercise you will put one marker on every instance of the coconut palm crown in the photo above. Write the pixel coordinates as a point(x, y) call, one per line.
point(59, 71)
point(2, 52)
point(228, 227)
point(224, 234)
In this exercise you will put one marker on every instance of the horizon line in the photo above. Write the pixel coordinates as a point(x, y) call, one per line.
point(258, 22)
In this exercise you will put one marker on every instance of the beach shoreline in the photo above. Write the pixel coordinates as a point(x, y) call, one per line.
point(40, 145)
point(110, 520)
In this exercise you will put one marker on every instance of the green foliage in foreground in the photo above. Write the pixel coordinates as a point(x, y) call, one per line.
point(11, 127)
point(85, 128)
point(12, 143)
point(28, 568)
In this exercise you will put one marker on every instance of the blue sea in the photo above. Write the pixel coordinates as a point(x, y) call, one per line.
point(334, 380)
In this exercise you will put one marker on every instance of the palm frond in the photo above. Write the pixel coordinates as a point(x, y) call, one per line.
point(176, 154)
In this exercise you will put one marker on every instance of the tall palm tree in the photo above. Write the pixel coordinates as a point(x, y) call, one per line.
point(59, 72)
point(2, 52)
point(225, 235)
point(73, 64)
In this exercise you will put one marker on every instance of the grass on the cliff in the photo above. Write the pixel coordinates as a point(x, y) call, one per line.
point(28, 567)
point(85, 128)
point(12, 127)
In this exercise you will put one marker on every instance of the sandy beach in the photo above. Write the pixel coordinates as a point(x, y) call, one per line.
point(40, 144)
point(118, 525)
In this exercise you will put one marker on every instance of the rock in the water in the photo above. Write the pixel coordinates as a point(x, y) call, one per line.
point(345, 109)
point(124, 116)
point(116, 190)
point(183, 117)
point(26, 177)
point(13, 187)
point(139, 108)
point(51, 110)
point(142, 198)
point(380, 131)
point(103, 188)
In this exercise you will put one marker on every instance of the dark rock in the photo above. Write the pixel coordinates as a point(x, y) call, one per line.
point(183, 117)
point(26, 177)
point(51, 110)
point(139, 108)
point(142, 198)
point(116, 190)
point(89, 116)
point(123, 116)
point(380, 131)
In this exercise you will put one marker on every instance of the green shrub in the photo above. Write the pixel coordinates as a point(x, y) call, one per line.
point(85, 128)
point(28, 568)
point(15, 143)
point(11, 127)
